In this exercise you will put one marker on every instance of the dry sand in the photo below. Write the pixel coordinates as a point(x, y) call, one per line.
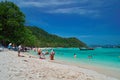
point(13, 67)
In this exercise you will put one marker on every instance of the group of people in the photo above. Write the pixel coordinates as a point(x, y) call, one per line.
point(89, 56)
point(13, 47)
point(10, 46)
point(39, 51)
point(42, 54)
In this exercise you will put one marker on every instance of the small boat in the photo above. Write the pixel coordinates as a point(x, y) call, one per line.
point(86, 48)
point(90, 48)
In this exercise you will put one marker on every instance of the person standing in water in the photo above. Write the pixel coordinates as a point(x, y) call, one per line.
point(75, 55)
point(89, 57)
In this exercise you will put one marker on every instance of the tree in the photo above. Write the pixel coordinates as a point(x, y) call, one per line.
point(29, 39)
point(11, 21)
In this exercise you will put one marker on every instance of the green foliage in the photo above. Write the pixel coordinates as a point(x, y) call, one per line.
point(12, 25)
point(48, 40)
point(28, 38)
point(11, 21)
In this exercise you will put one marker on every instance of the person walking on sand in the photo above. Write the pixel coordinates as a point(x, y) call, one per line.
point(19, 49)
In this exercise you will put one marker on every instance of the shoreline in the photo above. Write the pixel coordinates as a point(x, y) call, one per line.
point(32, 68)
point(98, 68)
point(108, 71)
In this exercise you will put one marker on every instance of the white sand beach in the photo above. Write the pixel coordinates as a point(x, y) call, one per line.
point(13, 67)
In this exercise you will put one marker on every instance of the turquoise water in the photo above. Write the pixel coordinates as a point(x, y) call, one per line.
point(109, 57)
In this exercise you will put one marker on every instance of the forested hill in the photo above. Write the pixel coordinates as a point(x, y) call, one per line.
point(49, 40)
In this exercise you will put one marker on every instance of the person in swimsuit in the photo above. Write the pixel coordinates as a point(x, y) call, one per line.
point(52, 55)
point(39, 52)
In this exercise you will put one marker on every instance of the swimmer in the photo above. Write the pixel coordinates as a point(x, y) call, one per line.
point(89, 56)
point(75, 55)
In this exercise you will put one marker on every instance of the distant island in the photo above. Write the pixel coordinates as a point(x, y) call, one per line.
point(14, 30)
point(106, 46)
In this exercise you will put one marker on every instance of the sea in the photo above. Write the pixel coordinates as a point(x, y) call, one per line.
point(104, 57)
point(102, 60)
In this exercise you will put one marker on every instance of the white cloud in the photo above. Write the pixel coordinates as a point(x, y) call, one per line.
point(84, 7)
point(76, 10)
point(44, 3)
point(80, 7)
point(51, 3)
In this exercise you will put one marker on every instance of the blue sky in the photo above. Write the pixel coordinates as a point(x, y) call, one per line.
point(91, 21)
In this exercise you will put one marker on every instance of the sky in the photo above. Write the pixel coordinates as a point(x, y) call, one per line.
point(91, 21)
